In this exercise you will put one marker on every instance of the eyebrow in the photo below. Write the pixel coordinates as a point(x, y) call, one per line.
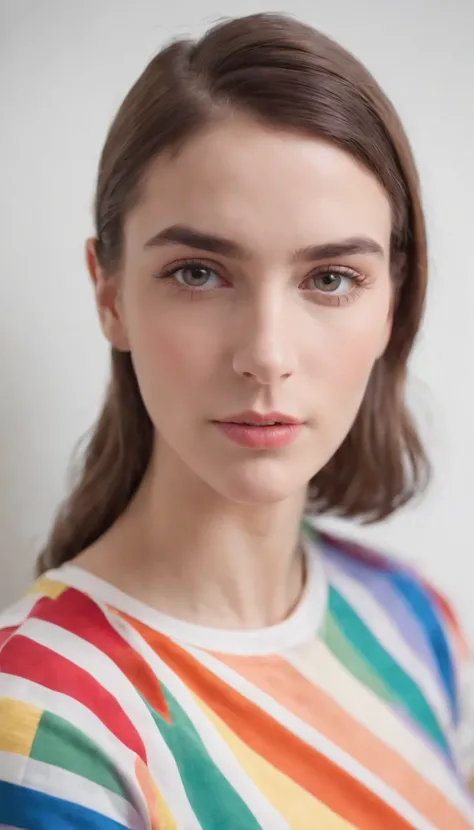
point(193, 238)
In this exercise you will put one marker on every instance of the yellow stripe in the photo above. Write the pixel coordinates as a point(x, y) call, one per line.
point(18, 725)
point(46, 588)
point(298, 807)
point(158, 810)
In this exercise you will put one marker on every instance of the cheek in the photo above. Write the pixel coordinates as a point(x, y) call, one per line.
point(172, 358)
point(349, 347)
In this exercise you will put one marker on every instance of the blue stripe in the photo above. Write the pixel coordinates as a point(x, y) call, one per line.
point(419, 601)
point(32, 810)
point(425, 609)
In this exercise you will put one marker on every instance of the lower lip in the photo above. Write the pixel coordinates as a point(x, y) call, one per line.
point(260, 437)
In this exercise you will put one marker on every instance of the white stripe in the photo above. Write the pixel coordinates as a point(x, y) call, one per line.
point(379, 623)
point(216, 746)
point(322, 669)
point(313, 738)
point(106, 673)
point(465, 736)
point(61, 783)
point(17, 613)
point(75, 713)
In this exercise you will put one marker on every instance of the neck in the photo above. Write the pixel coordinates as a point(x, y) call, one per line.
point(190, 553)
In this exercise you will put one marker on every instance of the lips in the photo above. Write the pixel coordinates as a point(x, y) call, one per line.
point(260, 430)
point(263, 424)
point(261, 419)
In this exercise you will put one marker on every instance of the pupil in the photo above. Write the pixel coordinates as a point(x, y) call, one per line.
point(196, 274)
point(330, 280)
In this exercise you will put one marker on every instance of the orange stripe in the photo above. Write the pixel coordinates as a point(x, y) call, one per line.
point(158, 810)
point(296, 806)
point(314, 772)
point(310, 703)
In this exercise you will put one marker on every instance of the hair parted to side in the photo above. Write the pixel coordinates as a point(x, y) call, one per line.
point(285, 74)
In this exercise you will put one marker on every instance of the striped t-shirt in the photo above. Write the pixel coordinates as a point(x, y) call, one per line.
point(349, 714)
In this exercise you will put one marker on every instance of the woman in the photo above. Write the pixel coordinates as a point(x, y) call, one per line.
point(196, 654)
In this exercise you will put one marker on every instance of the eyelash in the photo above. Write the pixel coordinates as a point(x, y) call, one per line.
point(356, 277)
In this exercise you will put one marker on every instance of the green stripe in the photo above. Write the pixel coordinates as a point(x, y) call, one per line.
point(340, 646)
point(308, 529)
point(404, 690)
point(214, 801)
point(59, 743)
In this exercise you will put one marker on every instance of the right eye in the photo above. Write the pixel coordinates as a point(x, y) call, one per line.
point(195, 276)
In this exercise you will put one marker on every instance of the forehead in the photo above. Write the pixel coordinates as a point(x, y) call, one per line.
point(262, 187)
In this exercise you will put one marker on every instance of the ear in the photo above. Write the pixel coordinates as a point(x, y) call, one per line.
point(386, 332)
point(107, 300)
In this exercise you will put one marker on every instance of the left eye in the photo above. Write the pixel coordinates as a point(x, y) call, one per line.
point(196, 276)
point(331, 282)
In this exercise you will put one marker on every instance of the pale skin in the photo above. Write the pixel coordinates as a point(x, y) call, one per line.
point(271, 322)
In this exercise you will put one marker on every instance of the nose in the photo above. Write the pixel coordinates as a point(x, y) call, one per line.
point(265, 349)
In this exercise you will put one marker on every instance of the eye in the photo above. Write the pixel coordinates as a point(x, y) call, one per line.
point(195, 275)
point(332, 281)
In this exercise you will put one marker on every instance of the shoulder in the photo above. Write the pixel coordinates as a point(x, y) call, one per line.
point(61, 707)
point(414, 621)
point(406, 596)
point(50, 631)
point(60, 651)
point(59, 644)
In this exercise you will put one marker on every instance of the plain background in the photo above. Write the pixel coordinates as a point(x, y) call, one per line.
point(64, 68)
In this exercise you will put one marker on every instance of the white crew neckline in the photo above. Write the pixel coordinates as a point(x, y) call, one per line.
point(299, 627)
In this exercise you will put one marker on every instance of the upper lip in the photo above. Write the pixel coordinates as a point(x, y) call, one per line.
point(251, 417)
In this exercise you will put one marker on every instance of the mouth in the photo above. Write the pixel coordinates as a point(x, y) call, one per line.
point(261, 419)
point(260, 431)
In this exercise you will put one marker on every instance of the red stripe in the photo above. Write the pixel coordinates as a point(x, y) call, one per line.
point(366, 556)
point(446, 611)
point(79, 614)
point(24, 658)
point(5, 633)
point(443, 604)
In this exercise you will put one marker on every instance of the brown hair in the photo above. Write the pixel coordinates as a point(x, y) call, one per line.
point(288, 75)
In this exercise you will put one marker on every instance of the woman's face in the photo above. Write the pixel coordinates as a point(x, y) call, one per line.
point(255, 280)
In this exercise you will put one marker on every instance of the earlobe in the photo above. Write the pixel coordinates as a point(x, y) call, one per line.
point(107, 300)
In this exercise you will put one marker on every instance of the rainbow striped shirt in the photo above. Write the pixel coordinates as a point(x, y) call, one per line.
point(349, 714)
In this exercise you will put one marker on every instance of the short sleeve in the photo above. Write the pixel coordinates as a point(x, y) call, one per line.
point(54, 771)
point(52, 775)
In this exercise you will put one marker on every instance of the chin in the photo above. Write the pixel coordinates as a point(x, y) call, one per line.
point(262, 481)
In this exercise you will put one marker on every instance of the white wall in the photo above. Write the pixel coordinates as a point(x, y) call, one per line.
point(64, 67)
